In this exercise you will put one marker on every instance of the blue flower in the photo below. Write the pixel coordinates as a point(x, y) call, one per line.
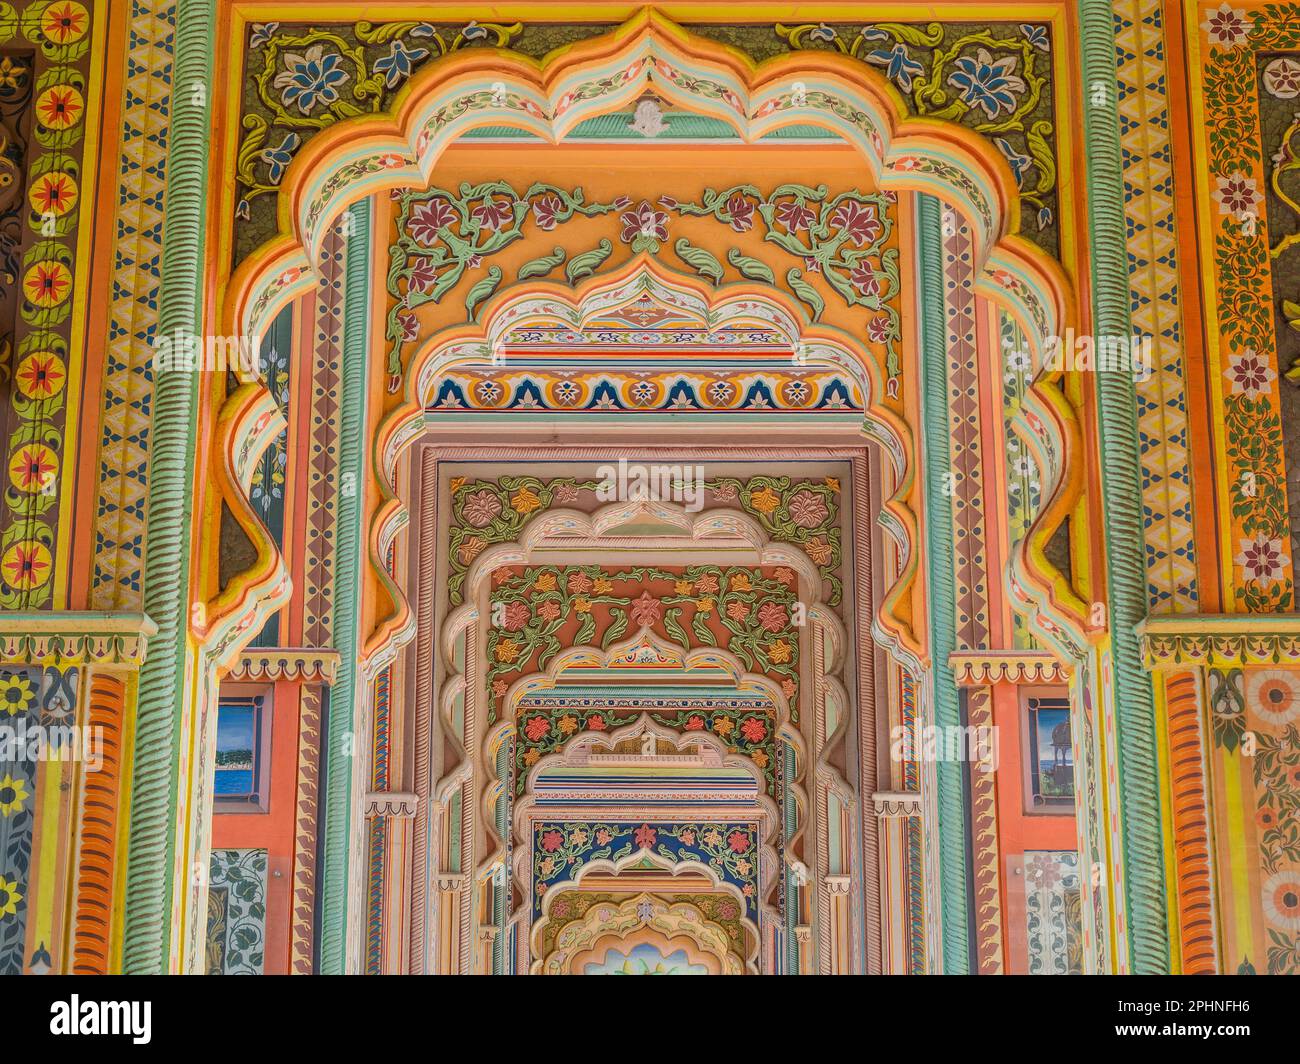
point(1037, 36)
point(899, 66)
point(262, 33)
point(1018, 163)
point(987, 83)
point(279, 158)
point(399, 62)
point(310, 79)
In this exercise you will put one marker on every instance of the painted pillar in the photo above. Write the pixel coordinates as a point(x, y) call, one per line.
point(1133, 705)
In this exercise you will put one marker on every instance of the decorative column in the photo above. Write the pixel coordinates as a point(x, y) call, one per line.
point(898, 813)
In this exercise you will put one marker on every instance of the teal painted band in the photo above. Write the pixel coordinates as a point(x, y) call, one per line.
point(1121, 480)
point(151, 836)
point(941, 587)
point(341, 740)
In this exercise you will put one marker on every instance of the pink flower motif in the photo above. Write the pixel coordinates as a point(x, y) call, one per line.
point(566, 493)
point(643, 226)
point(794, 215)
point(494, 213)
point(552, 841)
point(686, 836)
point(737, 611)
point(1227, 27)
point(1250, 373)
point(603, 837)
point(579, 583)
point(741, 211)
point(738, 841)
point(594, 723)
point(515, 616)
point(645, 836)
point(773, 616)
point(753, 729)
point(1262, 559)
point(536, 727)
point(694, 722)
point(786, 576)
point(858, 220)
point(707, 584)
point(427, 218)
point(546, 211)
point(807, 508)
point(549, 610)
point(645, 610)
point(481, 507)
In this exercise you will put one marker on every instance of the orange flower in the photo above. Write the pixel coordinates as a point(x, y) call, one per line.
point(470, 548)
point(60, 106)
point(456, 484)
point(740, 582)
point(705, 606)
point(601, 586)
point(40, 375)
point(26, 565)
point(582, 605)
point(765, 501)
point(682, 587)
point(47, 283)
point(545, 582)
point(54, 194)
point(567, 724)
point(818, 550)
point(64, 22)
point(722, 726)
point(525, 501)
point(834, 484)
point(507, 650)
point(778, 653)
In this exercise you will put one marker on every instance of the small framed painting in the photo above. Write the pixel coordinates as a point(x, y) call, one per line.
point(241, 762)
point(1050, 755)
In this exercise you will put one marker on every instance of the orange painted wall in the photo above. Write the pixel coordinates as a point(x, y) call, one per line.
point(273, 830)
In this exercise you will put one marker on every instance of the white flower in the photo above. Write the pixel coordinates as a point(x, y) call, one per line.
point(1263, 559)
point(1282, 78)
point(1227, 26)
point(1236, 194)
point(1249, 372)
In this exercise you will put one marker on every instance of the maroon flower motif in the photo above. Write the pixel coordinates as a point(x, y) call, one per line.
point(878, 329)
point(858, 220)
point(422, 276)
point(794, 215)
point(865, 280)
point(546, 211)
point(741, 211)
point(738, 841)
point(408, 325)
point(643, 225)
point(552, 841)
point(494, 213)
point(427, 218)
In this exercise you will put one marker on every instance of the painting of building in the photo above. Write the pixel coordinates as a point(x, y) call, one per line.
point(735, 489)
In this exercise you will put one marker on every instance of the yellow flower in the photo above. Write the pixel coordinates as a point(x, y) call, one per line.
point(456, 484)
point(759, 758)
point(525, 501)
point(834, 484)
point(12, 794)
point(740, 582)
point(705, 605)
point(582, 605)
point(601, 586)
point(507, 650)
point(567, 724)
point(531, 757)
point(545, 582)
point(723, 726)
point(683, 587)
point(778, 653)
point(9, 897)
point(765, 501)
point(16, 692)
